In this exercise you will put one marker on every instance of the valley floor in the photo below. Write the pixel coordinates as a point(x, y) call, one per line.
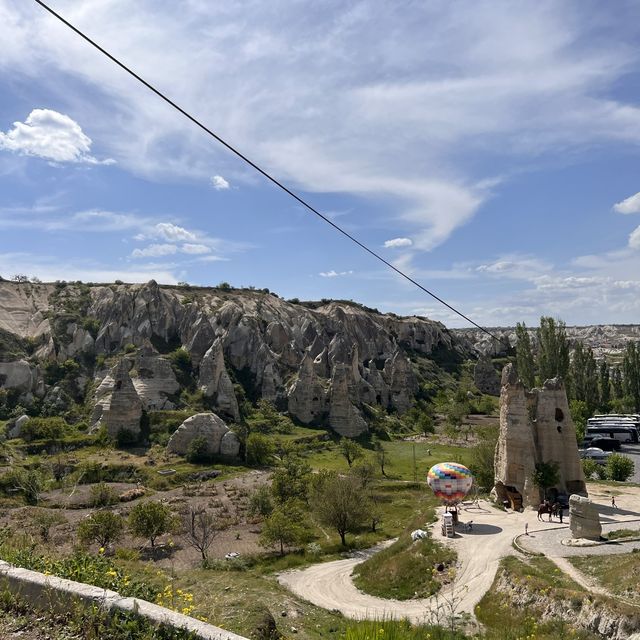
point(330, 585)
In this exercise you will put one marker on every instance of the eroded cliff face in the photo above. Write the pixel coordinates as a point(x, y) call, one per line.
point(321, 362)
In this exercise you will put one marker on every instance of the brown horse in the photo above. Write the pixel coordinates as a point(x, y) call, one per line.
point(551, 509)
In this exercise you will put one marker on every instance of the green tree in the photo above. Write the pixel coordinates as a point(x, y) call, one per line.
point(351, 450)
point(524, 356)
point(604, 386)
point(30, 483)
point(151, 520)
point(339, 502)
point(259, 449)
point(381, 454)
point(616, 383)
point(290, 480)
point(285, 527)
point(482, 458)
point(101, 527)
point(102, 495)
point(592, 390)
point(591, 468)
point(44, 520)
point(579, 414)
point(553, 349)
point(631, 373)
point(261, 502)
point(619, 467)
point(545, 476)
point(53, 428)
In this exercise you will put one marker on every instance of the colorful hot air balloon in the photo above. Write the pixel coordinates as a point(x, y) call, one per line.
point(450, 481)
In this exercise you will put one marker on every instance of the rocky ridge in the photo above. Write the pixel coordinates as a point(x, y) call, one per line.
point(320, 362)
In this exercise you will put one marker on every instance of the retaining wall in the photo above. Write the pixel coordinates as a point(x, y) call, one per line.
point(45, 592)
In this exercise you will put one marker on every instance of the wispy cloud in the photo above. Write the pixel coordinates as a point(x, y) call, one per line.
point(52, 136)
point(334, 274)
point(452, 95)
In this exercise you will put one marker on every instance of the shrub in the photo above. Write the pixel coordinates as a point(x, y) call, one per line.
point(101, 527)
point(259, 450)
point(198, 451)
point(126, 438)
point(590, 468)
point(150, 520)
point(619, 467)
point(44, 429)
point(102, 495)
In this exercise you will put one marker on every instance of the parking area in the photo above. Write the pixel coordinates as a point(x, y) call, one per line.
point(633, 451)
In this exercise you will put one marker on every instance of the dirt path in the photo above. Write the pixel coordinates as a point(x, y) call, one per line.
point(329, 585)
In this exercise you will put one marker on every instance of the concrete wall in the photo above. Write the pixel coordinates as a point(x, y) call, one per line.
point(51, 593)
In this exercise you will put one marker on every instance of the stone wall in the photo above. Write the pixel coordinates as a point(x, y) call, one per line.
point(49, 593)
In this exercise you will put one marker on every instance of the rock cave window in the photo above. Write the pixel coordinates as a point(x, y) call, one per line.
point(559, 415)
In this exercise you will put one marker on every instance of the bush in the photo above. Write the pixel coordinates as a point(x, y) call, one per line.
point(44, 429)
point(126, 438)
point(102, 495)
point(198, 451)
point(259, 450)
point(101, 527)
point(591, 468)
point(619, 467)
point(150, 520)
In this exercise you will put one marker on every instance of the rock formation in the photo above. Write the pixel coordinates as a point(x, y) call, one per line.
point(485, 377)
point(241, 336)
point(14, 427)
point(220, 440)
point(584, 519)
point(535, 427)
point(117, 405)
point(216, 383)
point(154, 382)
point(344, 417)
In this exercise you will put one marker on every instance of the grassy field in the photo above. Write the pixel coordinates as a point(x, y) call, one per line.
point(504, 621)
point(400, 458)
point(619, 573)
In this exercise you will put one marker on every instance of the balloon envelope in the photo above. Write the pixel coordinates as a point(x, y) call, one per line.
point(450, 481)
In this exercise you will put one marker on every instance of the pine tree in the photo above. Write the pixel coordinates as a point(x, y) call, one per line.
point(553, 349)
point(605, 387)
point(577, 390)
point(524, 356)
point(631, 369)
point(592, 392)
point(616, 383)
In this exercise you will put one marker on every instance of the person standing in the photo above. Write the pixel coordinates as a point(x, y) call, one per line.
point(613, 502)
point(526, 528)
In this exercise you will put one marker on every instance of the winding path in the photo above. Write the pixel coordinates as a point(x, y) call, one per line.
point(330, 585)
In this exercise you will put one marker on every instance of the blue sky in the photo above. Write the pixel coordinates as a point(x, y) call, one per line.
point(490, 149)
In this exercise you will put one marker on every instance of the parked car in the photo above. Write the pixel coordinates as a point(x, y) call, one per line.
point(606, 444)
point(594, 453)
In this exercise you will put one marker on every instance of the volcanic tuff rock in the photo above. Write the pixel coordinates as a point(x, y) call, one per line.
point(117, 406)
point(535, 427)
point(271, 347)
point(584, 518)
point(220, 440)
point(485, 377)
point(154, 382)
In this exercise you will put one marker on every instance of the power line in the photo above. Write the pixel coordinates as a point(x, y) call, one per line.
point(268, 176)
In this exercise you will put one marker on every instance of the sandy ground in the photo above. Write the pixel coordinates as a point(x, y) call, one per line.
point(329, 585)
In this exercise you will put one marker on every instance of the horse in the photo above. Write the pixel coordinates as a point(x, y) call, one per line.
point(551, 509)
point(545, 507)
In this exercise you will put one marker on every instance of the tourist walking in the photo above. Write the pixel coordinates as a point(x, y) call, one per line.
point(613, 502)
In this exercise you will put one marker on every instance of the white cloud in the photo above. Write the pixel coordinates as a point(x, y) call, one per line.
point(52, 268)
point(408, 122)
point(334, 274)
point(634, 238)
point(172, 232)
point(398, 242)
point(155, 250)
point(629, 205)
point(219, 183)
point(50, 135)
point(195, 249)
